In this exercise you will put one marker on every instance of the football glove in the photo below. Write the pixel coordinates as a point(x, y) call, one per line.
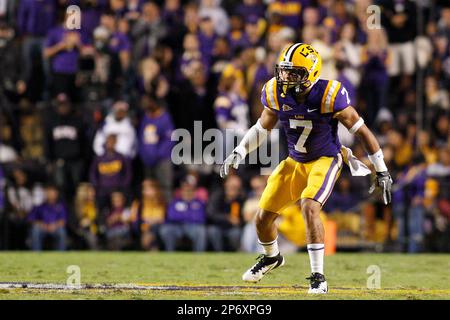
point(383, 180)
point(233, 160)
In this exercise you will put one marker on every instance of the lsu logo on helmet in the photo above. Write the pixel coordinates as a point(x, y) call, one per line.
point(298, 68)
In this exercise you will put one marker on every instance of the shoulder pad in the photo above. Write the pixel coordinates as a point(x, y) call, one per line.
point(329, 96)
point(269, 95)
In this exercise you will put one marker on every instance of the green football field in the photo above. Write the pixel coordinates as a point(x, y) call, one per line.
point(139, 275)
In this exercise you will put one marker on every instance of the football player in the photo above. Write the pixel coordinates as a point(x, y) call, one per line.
point(308, 109)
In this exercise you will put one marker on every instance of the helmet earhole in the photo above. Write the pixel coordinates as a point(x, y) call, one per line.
point(315, 73)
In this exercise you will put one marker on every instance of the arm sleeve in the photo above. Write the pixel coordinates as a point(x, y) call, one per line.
point(254, 137)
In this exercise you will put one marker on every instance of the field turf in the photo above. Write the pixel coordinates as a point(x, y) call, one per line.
point(139, 275)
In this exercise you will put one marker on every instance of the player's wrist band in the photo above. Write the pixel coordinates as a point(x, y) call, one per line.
point(377, 159)
point(356, 126)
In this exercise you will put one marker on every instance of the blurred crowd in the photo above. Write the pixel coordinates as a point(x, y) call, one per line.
point(86, 116)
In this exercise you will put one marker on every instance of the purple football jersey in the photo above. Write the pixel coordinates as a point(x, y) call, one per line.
point(310, 128)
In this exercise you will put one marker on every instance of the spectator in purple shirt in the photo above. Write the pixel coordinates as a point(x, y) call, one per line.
point(408, 201)
point(148, 31)
point(289, 10)
point(62, 49)
point(155, 144)
point(173, 14)
point(231, 109)
point(186, 217)
point(49, 219)
point(34, 20)
point(120, 44)
point(253, 35)
point(336, 19)
point(91, 11)
point(206, 36)
point(110, 172)
point(250, 8)
point(117, 49)
point(237, 36)
point(191, 52)
point(221, 56)
point(374, 83)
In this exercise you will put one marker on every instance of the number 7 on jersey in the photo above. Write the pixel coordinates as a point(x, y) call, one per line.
point(307, 125)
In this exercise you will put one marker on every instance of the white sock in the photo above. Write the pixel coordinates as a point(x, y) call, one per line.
point(270, 248)
point(316, 251)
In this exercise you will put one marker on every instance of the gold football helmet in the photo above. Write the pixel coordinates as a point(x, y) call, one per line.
point(298, 67)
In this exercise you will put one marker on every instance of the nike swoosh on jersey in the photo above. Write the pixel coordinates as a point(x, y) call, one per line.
point(311, 110)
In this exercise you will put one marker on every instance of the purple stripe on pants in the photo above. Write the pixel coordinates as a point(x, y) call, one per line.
point(324, 184)
point(332, 187)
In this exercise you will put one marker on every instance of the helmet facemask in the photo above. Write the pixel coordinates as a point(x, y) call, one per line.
point(289, 77)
